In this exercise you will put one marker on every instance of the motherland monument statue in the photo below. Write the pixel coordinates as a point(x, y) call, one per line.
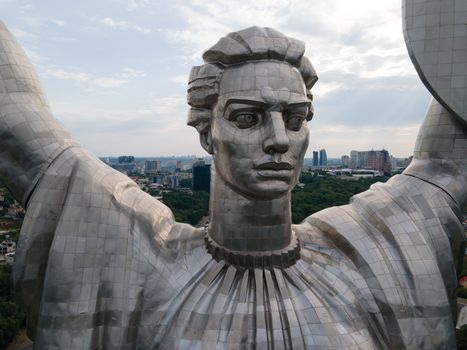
point(103, 265)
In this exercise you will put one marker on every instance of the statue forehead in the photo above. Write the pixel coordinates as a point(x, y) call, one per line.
point(264, 79)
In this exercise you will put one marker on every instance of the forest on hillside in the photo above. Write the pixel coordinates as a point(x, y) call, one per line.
point(314, 193)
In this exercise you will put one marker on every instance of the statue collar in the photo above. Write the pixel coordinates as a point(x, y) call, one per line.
point(281, 258)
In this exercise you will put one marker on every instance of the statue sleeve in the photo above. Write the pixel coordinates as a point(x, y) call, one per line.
point(404, 239)
point(90, 236)
point(440, 154)
point(401, 242)
point(30, 138)
point(89, 242)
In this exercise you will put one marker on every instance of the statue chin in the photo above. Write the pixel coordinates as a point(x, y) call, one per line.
point(266, 191)
point(259, 185)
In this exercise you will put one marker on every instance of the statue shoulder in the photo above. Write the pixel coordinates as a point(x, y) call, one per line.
point(325, 227)
point(91, 191)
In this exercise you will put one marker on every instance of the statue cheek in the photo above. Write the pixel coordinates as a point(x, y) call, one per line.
point(224, 151)
point(299, 144)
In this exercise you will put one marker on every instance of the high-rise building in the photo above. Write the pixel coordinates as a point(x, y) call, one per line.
point(363, 160)
point(393, 162)
point(126, 164)
point(151, 166)
point(374, 160)
point(323, 159)
point(201, 176)
point(126, 159)
point(400, 163)
point(315, 158)
point(166, 180)
point(353, 159)
point(345, 160)
point(379, 160)
point(106, 160)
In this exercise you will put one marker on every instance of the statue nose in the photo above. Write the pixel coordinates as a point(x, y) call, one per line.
point(276, 140)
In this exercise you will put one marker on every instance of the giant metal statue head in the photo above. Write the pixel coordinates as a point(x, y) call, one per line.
point(250, 102)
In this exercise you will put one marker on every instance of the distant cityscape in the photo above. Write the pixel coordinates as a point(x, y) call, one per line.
point(193, 173)
point(372, 163)
point(158, 175)
point(151, 174)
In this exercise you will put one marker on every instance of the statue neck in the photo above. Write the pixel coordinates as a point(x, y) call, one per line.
point(243, 224)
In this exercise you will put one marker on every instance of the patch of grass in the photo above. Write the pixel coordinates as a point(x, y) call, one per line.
point(464, 268)
point(9, 224)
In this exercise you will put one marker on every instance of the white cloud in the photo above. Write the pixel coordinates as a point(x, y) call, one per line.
point(361, 37)
point(168, 105)
point(37, 21)
point(157, 129)
point(339, 139)
point(130, 73)
point(160, 111)
point(35, 57)
point(72, 113)
point(323, 89)
point(63, 39)
point(18, 33)
point(119, 79)
point(145, 142)
point(63, 75)
point(204, 22)
point(89, 82)
point(137, 4)
point(357, 48)
point(124, 25)
point(181, 79)
point(107, 82)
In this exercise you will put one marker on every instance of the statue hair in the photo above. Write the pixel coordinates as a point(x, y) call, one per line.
point(251, 44)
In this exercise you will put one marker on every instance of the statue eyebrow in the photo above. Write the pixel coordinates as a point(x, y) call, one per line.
point(299, 104)
point(250, 100)
point(257, 101)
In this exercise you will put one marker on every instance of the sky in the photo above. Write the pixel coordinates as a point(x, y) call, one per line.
point(115, 71)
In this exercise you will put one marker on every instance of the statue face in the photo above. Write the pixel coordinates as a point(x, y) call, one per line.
point(258, 133)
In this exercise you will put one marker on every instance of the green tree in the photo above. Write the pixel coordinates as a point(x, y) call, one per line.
point(11, 315)
point(187, 207)
point(325, 191)
point(5, 281)
point(154, 192)
point(186, 183)
point(461, 338)
point(8, 198)
point(461, 292)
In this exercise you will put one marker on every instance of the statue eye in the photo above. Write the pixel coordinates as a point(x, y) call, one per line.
point(245, 120)
point(294, 122)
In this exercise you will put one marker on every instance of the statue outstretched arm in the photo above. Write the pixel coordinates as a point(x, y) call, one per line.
point(30, 138)
point(404, 236)
point(440, 154)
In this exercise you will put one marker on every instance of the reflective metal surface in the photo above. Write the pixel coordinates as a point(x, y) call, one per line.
point(436, 37)
point(102, 265)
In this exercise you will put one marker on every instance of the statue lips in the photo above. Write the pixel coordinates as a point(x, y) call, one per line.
point(275, 170)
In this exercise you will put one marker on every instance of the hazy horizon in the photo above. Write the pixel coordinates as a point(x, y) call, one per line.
point(115, 72)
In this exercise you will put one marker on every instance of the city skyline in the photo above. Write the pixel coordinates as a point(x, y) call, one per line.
point(171, 157)
point(115, 72)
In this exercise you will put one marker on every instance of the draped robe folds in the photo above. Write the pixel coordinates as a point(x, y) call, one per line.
point(101, 264)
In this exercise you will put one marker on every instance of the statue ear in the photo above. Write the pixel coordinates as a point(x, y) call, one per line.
point(200, 118)
point(205, 139)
